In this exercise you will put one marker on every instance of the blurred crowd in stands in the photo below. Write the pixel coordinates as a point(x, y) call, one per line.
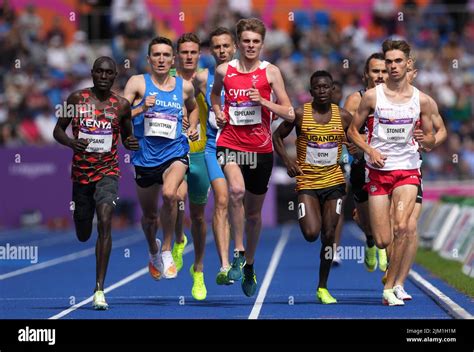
point(40, 68)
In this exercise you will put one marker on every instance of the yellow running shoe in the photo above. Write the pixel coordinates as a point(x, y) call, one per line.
point(222, 279)
point(325, 297)
point(199, 290)
point(370, 260)
point(99, 302)
point(382, 259)
point(177, 252)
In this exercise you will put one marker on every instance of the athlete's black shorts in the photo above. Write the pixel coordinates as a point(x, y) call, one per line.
point(148, 176)
point(324, 194)
point(87, 196)
point(357, 179)
point(256, 168)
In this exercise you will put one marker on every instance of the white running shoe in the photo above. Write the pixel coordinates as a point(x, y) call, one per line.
point(400, 292)
point(389, 299)
point(99, 302)
point(169, 267)
point(155, 265)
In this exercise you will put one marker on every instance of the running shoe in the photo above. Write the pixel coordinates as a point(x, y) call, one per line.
point(370, 260)
point(325, 297)
point(222, 278)
point(400, 292)
point(155, 265)
point(199, 290)
point(178, 249)
point(383, 264)
point(169, 267)
point(99, 302)
point(389, 299)
point(249, 281)
point(235, 272)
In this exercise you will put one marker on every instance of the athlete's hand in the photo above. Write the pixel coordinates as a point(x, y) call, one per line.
point(193, 134)
point(79, 145)
point(418, 134)
point(376, 159)
point(220, 119)
point(149, 102)
point(254, 94)
point(293, 169)
point(351, 148)
point(185, 121)
point(131, 143)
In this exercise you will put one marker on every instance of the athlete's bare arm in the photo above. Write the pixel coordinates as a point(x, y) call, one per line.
point(283, 108)
point(367, 104)
point(352, 102)
point(280, 134)
point(426, 122)
point(134, 92)
point(192, 109)
point(346, 119)
point(200, 82)
point(125, 114)
point(216, 94)
point(438, 124)
point(59, 133)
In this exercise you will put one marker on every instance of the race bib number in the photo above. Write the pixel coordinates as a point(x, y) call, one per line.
point(395, 130)
point(160, 125)
point(245, 115)
point(100, 140)
point(321, 154)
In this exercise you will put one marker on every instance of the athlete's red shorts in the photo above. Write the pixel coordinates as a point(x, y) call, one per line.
point(384, 182)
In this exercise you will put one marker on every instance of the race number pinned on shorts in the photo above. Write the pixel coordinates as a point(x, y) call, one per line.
point(160, 125)
point(339, 206)
point(100, 139)
point(324, 154)
point(395, 130)
point(301, 211)
point(245, 114)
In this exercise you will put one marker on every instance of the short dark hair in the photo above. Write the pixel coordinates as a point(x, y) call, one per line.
point(159, 40)
point(221, 31)
point(401, 45)
point(188, 37)
point(377, 56)
point(321, 73)
point(99, 60)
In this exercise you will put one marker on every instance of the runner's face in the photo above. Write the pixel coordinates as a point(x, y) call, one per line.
point(321, 90)
point(223, 48)
point(397, 64)
point(161, 58)
point(188, 56)
point(411, 73)
point(250, 45)
point(377, 73)
point(103, 75)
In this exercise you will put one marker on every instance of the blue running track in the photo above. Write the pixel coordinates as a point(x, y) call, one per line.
point(64, 275)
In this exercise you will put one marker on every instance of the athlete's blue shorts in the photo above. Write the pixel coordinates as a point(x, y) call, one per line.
point(198, 179)
point(213, 168)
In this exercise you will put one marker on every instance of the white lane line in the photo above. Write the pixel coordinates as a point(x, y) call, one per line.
point(120, 283)
point(277, 252)
point(68, 257)
point(453, 308)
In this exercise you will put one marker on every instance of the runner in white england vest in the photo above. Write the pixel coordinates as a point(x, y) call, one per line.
point(391, 153)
